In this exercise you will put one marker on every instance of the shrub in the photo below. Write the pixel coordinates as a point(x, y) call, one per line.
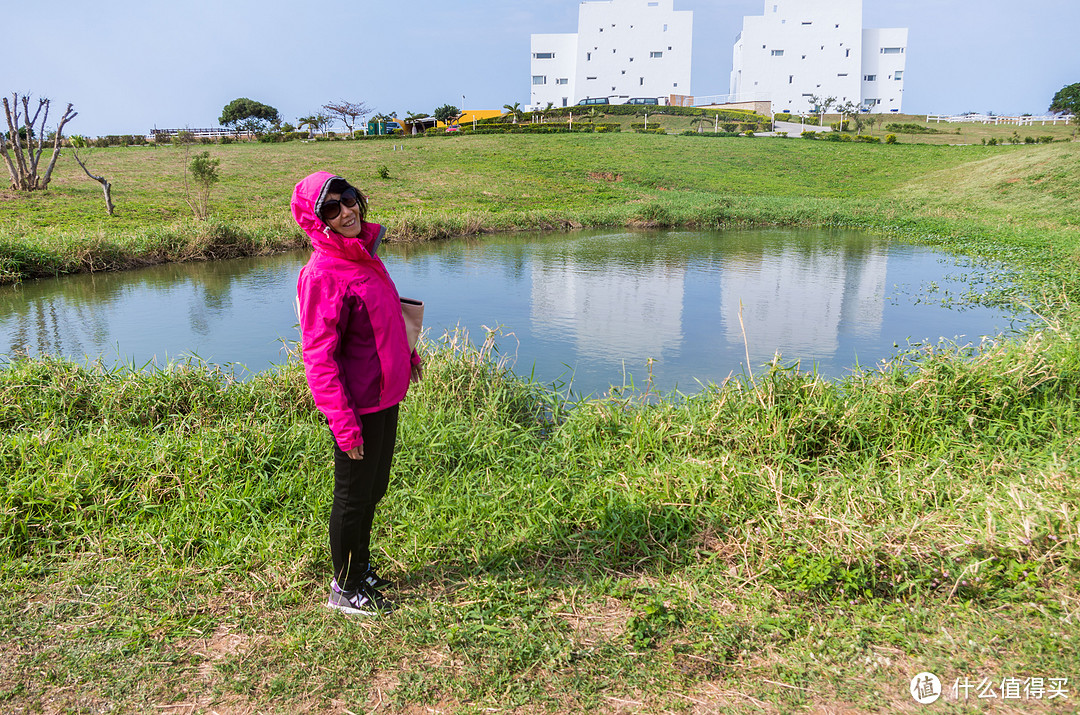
point(384, 173)
point(227, 140)
point(809, 135)
point(1045, 139)
point(867, 138)
point(748, 133)
point(890, 138)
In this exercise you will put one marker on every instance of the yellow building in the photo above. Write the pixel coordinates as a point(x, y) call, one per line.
point(471, 115)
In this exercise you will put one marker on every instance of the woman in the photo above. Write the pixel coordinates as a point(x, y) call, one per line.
point(358, 365)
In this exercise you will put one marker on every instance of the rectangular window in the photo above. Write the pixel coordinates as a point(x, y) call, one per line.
point(777, 53)
point(790, 79)
point(654, 4)
point(891, 50)
point(539, 79)
point(641, 81)
point(898, 74)
point(841, 74)
point(543, 55)
point(869, 78)
point(847, 53)
point(590, 78)
point(665, 27)
point(656, 54)
point(562, 80)
point(808, 22)
point(588, 57)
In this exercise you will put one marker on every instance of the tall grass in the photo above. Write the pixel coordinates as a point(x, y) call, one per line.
point(547, 552)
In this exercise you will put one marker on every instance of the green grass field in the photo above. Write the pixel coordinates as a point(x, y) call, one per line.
point(777, 544)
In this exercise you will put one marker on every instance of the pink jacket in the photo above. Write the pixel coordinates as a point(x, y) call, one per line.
point(356, 354)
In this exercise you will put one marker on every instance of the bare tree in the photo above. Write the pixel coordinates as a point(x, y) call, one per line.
point(76, 144)
point(23, 132)
point(348, 112)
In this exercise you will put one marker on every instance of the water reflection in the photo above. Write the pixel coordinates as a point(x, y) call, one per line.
point(586, 306)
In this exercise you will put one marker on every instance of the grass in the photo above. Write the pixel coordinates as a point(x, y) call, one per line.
point(778, 543)
point(440, 187)
point(799, 545)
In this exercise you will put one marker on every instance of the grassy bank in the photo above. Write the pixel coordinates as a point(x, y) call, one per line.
point(797, 546)
point(984, 197)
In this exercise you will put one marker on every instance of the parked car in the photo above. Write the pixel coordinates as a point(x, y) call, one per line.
point(643, 100)
point(595, 100)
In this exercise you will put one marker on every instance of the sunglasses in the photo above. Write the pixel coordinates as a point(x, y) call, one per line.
point(331, 209)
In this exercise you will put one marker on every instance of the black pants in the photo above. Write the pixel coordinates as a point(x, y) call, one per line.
point(359, 484)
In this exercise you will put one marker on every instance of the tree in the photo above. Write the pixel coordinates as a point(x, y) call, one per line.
point(514, 110)
point(79, 142)
point(23, 132)
point(348, 112)
point(446, 113)
point(1067, 101)
point(204, 173)
point(820, 105)
point(247, 115)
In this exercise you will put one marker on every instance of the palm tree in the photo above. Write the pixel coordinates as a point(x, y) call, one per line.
point(514, 110)
point(699, 122)
point(309, 122)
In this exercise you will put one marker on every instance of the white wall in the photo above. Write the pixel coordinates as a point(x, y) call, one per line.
point(886, 67)
point(558, 71)
point(623, 49)
point(800, 48)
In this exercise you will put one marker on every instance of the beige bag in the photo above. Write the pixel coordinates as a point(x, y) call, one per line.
point(413, 312)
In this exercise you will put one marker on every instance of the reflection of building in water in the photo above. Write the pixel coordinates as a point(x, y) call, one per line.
point(795, 302)
point(612, 313)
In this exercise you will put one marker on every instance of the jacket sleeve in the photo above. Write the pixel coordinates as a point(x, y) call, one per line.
point(322, 319)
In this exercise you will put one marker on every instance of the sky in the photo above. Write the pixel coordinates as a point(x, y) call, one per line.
point(128, 67)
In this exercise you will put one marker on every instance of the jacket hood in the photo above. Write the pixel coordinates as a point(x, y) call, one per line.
point(308, 198)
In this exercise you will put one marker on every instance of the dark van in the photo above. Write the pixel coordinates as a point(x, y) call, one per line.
point(643, 100)
point(595, 100)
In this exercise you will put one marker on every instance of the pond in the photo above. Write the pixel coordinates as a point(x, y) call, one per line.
point(582, 310)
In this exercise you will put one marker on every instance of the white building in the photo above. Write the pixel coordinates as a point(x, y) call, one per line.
point(623, 49)
point(800, 48)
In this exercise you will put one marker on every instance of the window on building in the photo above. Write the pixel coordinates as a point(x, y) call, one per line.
point(777, 53)
point(588, 57)
point(539, 79)
point(898, 74)
point(564, 101)
point(665, 27)
point(841, 74)
point(774, 7)
point(654, 4)
point(543, 55)
point(562, 80)
point(808, 22)
point(791, 79)
point(653, 55)
point(869, 78)
point(847, 53)
point(641, 81)
point(891, 50)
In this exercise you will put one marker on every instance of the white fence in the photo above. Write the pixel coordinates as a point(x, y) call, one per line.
point(1024, 121)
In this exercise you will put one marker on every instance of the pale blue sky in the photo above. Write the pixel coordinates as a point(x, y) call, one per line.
point(130, 66)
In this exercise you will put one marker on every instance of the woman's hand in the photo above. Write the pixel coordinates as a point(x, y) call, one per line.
point(356, 452)
point(417, 373)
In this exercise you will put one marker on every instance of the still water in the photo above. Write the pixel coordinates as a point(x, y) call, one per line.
point(587, 309)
